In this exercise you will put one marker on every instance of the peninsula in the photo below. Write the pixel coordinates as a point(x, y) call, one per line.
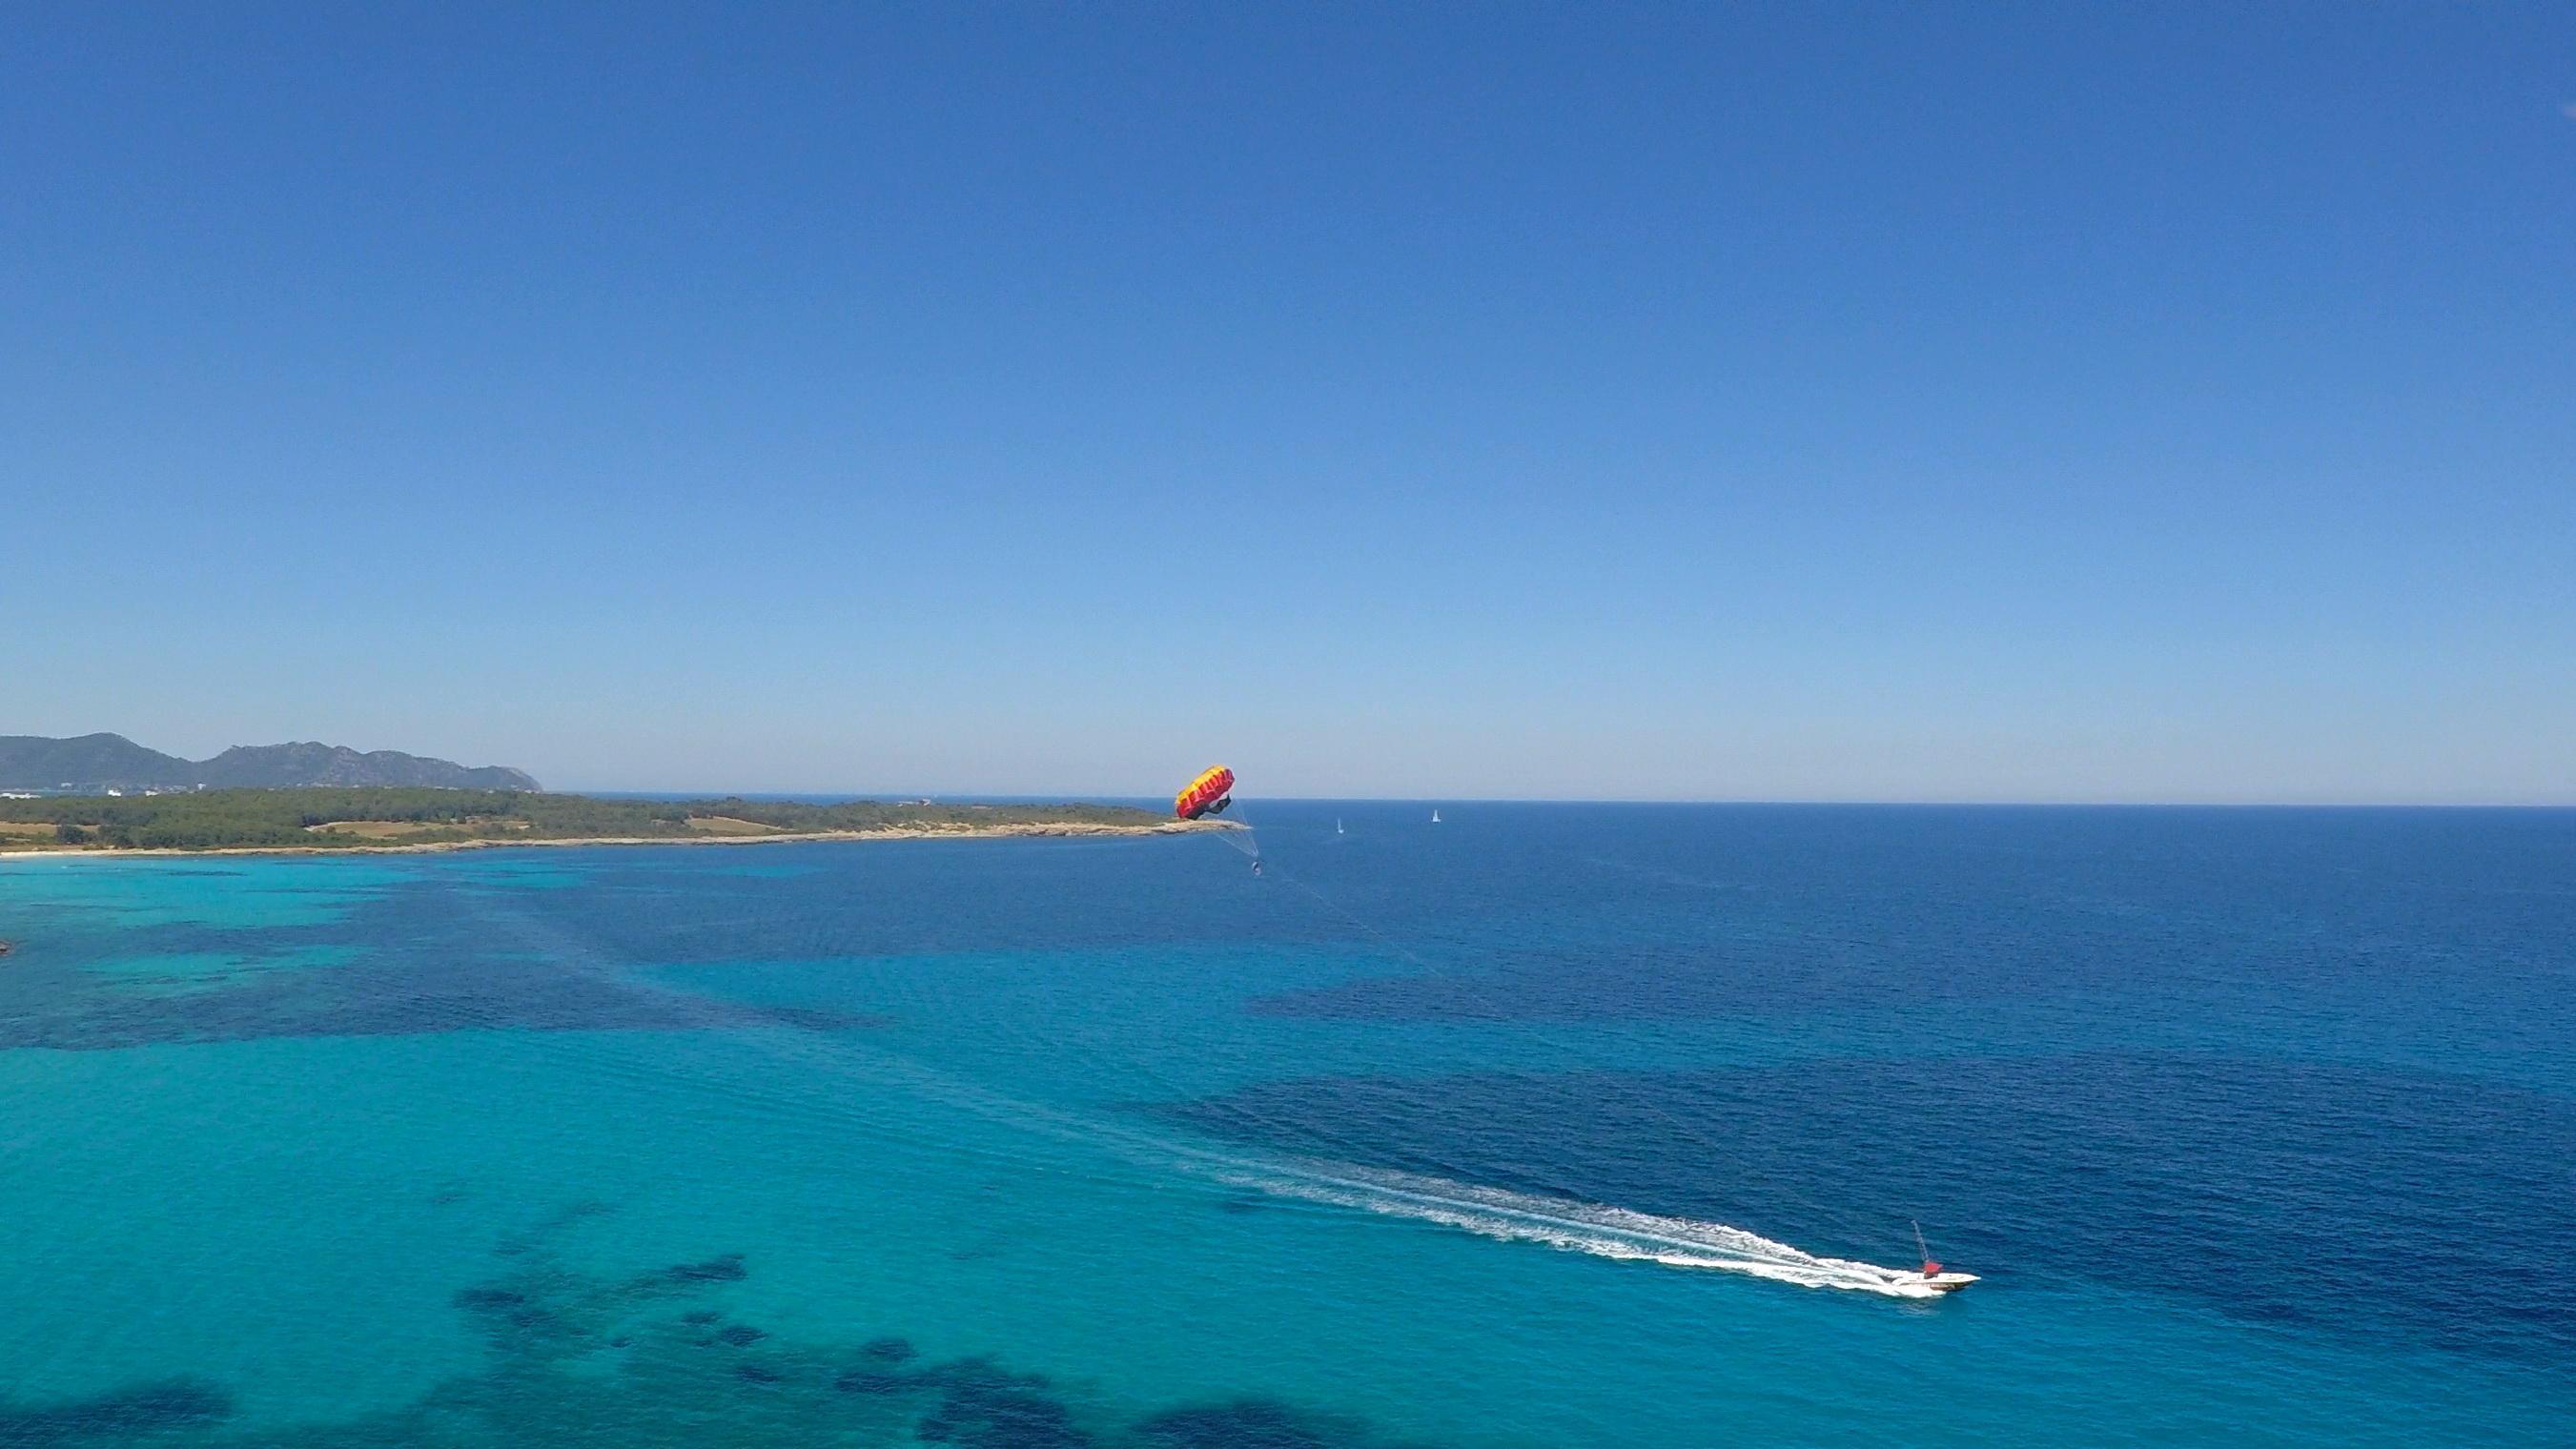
point(335, 820)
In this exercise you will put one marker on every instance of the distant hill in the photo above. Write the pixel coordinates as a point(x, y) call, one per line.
point(269, 767)
point(33, 762)
point(94, 763)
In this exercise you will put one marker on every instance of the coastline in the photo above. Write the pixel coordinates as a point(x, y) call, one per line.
point(965, 832)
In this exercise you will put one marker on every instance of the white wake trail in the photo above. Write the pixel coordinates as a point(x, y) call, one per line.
point(1579, 1227)
point(1562, 1223)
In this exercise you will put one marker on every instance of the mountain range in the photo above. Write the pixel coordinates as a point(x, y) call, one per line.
point(92, 763)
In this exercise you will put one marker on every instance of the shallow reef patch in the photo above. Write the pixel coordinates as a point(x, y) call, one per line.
point(726, 1268)
point(120, 1415)
point(574, 1356)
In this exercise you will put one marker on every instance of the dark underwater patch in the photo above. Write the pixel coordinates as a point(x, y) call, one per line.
point(414, 958)
point(143, 1409)
point(451, 946)
point(2276, 1191)
point(726, 1268)
point(542, 1322)
point(984, 1406)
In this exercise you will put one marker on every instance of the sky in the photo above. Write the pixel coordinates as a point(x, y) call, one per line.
point(1782, 402)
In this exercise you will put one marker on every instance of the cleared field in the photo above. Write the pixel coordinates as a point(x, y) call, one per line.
point(377, 829)
point(728, 825)
point(411, 829)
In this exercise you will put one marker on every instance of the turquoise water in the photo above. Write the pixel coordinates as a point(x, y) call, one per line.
point(1549, 1125)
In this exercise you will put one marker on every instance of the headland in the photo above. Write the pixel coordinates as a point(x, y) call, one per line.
point(338, 821)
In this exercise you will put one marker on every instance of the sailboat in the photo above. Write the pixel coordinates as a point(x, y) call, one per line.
point(1934, 1277)
point(1435, 817)
point(1337, 825)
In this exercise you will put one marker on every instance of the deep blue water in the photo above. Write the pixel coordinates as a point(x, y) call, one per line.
point(1545, 1125)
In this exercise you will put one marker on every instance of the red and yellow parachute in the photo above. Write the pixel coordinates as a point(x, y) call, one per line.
point(1209, 794)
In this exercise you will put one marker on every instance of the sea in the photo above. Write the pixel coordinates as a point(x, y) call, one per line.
point(1544, 1125)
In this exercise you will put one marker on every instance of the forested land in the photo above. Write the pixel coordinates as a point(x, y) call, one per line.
point(216, 819)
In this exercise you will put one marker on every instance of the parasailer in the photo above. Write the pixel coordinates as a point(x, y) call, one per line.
point(1209, 794)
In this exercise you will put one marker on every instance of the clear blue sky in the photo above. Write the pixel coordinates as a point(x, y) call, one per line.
point(2039, 402)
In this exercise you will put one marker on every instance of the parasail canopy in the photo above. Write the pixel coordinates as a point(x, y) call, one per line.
point(1209, 794)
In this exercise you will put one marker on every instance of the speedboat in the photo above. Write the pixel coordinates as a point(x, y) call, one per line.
point(1935, 1277)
